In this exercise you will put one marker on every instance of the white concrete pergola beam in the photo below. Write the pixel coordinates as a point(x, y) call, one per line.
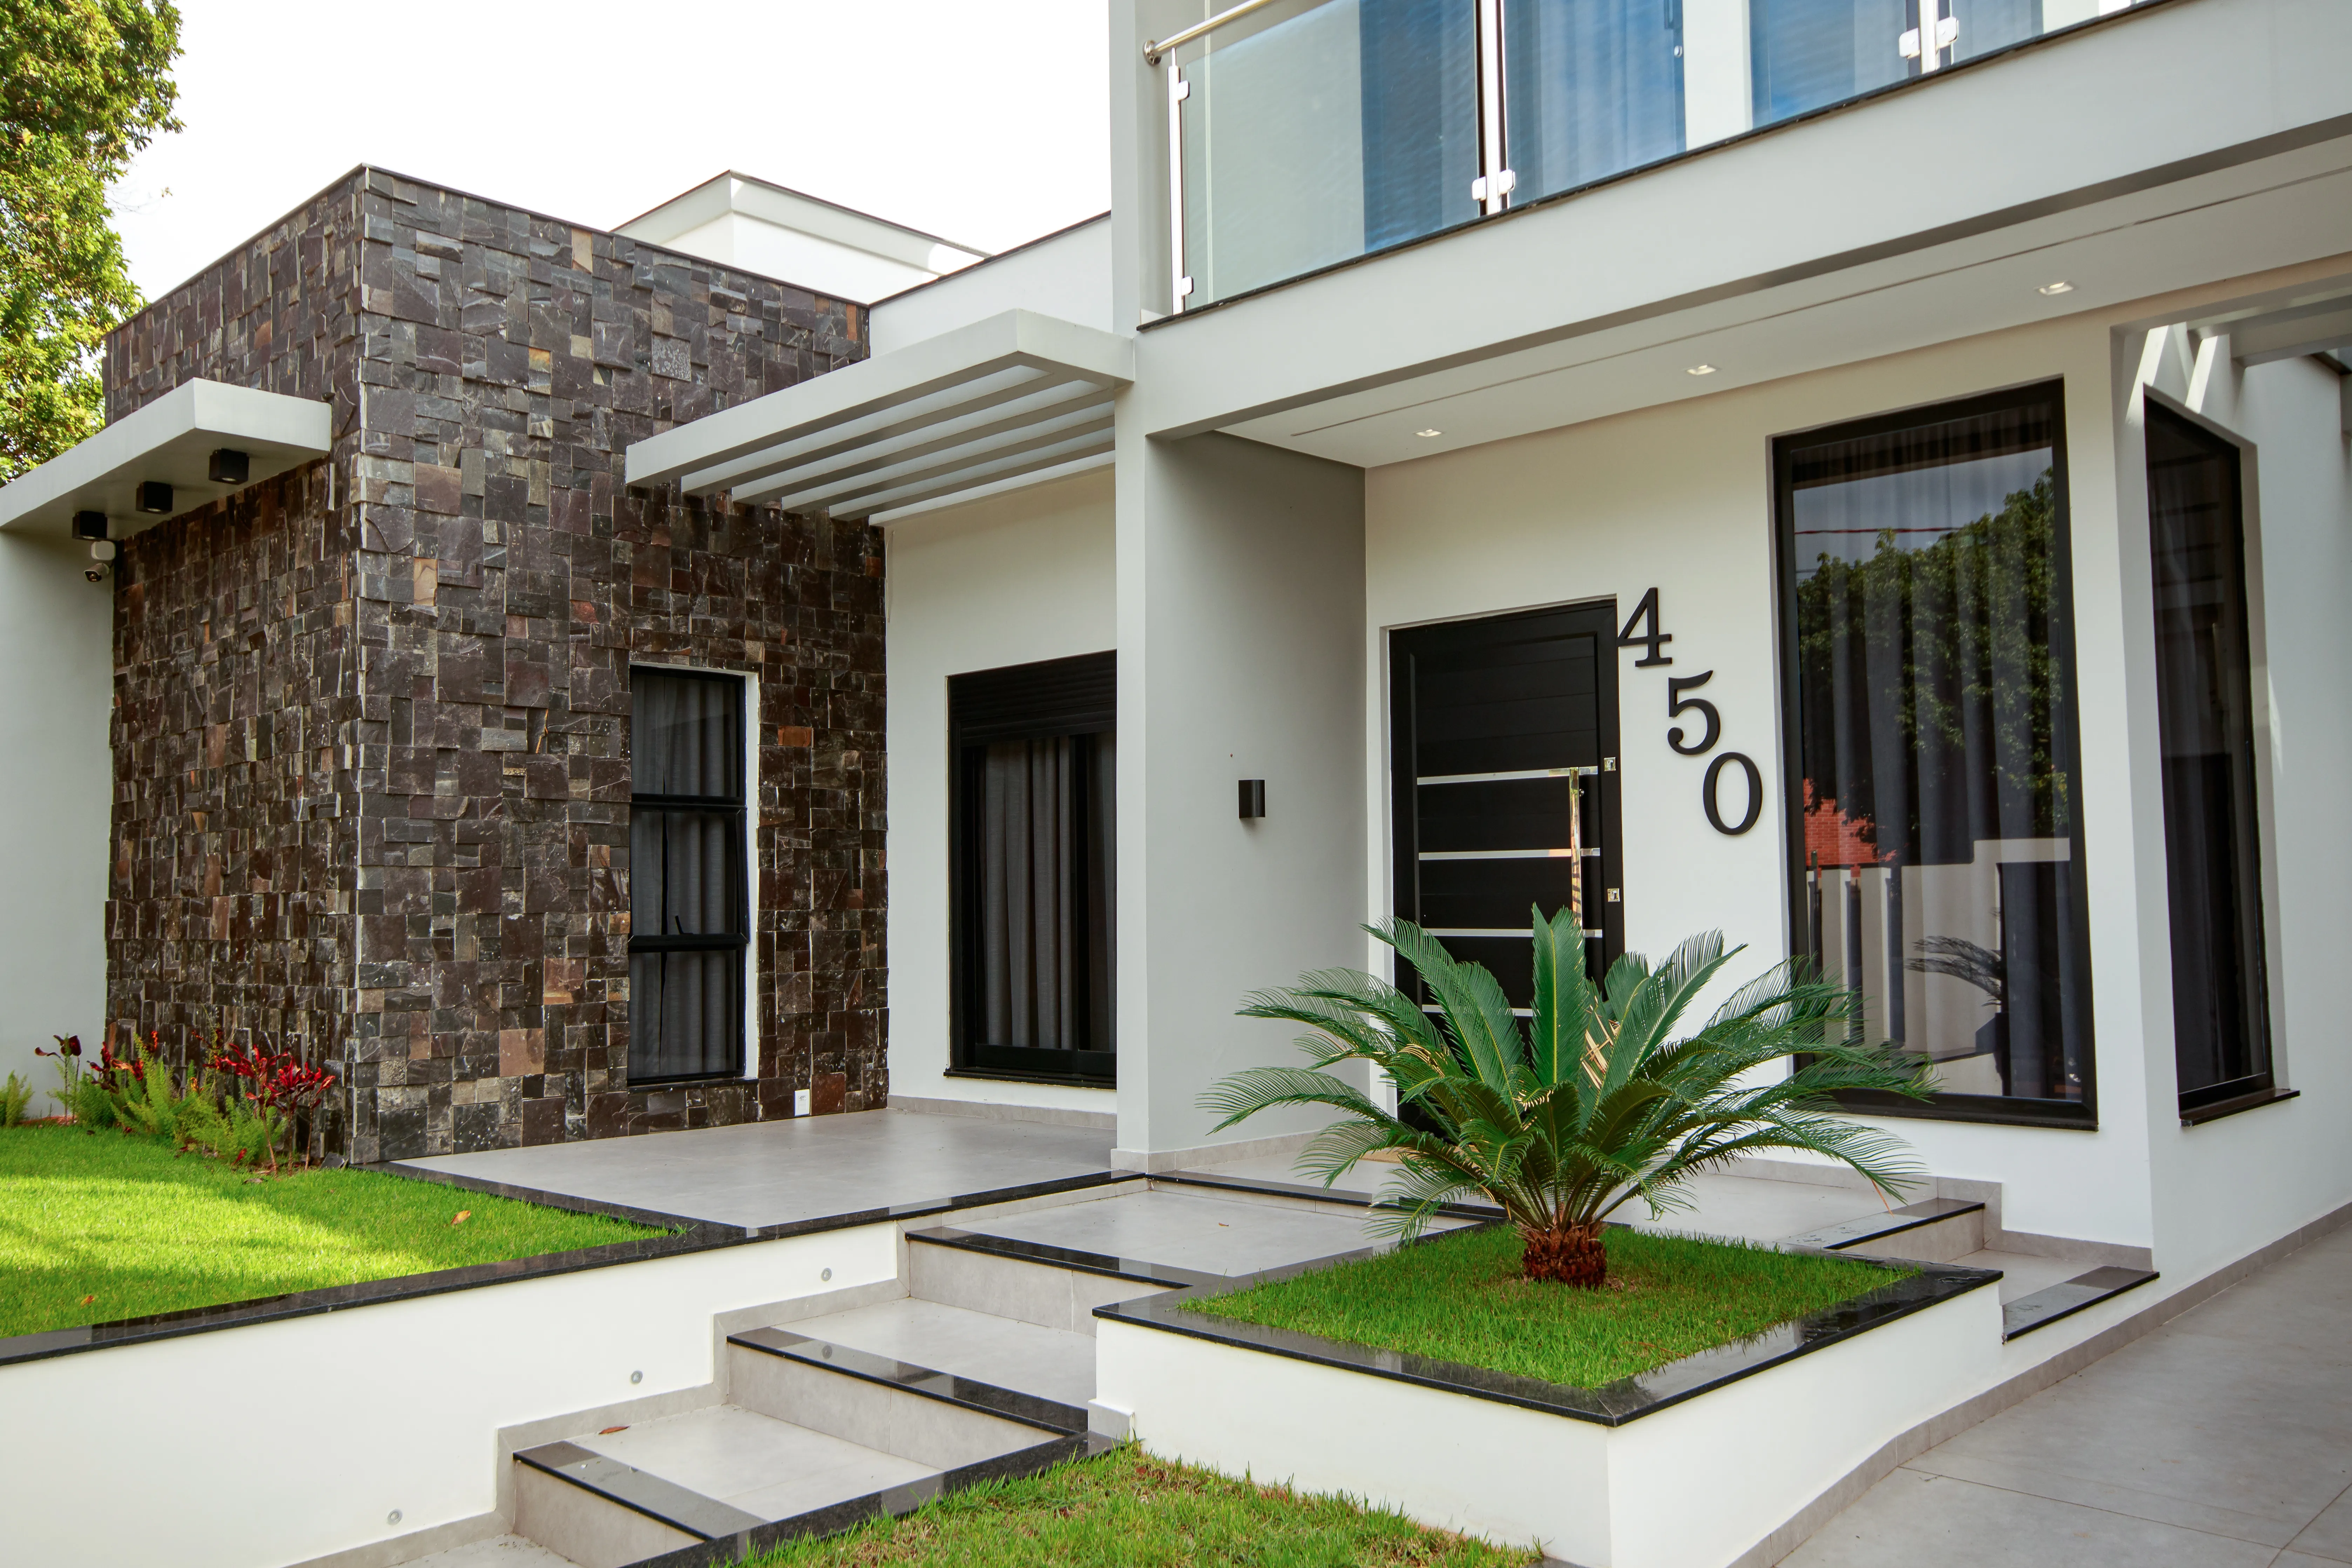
point(897, 398)
point(170, 440)
point(833, 492)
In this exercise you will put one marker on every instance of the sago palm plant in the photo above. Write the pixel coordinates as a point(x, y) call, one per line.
point(1593, 1103)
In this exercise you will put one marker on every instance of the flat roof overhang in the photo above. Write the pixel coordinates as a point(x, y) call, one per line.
point(170, 440)
point(1014, 399)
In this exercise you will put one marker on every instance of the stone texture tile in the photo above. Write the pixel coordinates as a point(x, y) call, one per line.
point(2330, 1535)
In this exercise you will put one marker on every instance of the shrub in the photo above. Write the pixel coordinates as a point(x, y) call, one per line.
point(15, 1094)
point(1594, 1104)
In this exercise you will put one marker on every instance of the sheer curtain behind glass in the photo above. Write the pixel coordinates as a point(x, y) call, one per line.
point(687, 898)
point(1045, 894)
point(1941, 840)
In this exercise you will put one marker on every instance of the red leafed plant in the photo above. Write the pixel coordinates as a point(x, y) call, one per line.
point(279, 1086)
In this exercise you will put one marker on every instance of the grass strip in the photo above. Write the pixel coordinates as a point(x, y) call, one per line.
point(1128, 1510)
point(99, 1226)
point(1459, 1298)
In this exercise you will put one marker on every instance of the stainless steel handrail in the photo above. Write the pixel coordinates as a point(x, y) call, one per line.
point(1152, 52)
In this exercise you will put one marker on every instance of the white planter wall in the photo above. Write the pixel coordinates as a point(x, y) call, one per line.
point(1691, 1486)
point(280, 1442)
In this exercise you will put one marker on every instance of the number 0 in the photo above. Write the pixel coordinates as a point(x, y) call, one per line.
point(1708, 793)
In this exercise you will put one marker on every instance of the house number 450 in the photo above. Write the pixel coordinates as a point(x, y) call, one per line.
point(1710, 794)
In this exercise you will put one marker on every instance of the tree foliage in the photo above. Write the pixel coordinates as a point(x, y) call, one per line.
point(1591, 1103)
point(84, 85)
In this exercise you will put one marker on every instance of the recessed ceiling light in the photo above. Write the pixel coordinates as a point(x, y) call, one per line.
point(1427, 433)
point(1700, 370)
point(2060, 286)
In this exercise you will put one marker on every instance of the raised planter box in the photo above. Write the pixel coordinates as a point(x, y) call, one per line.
point(1685, 1466)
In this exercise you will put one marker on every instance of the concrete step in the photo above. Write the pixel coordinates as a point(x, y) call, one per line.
point(1218, 1234)
point(1937, 1230)
point(2047, 1306)
point(1054, 1288)
point(933, 1416)
point(498, 1552)
point(1054, 1365)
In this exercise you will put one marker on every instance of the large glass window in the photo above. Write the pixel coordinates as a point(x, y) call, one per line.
point(689, 904)
point(1034, 837)
point(2204, 688)
point(1937, 823)
point(1592, 88)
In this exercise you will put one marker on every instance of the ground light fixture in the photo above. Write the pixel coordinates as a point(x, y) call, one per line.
point(1700, 370)
point(2060, 286)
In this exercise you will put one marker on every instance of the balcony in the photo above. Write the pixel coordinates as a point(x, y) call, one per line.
point(1305, 133)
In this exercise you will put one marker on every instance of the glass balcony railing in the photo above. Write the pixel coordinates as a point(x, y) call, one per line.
point(1306, 132)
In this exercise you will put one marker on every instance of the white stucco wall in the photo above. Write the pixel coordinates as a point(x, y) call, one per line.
point(57, 684)
point(1011, 580)
point(1679, 498)
point(2225, 1187)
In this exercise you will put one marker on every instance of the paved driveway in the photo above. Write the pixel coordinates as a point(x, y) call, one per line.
point(2222, 1440)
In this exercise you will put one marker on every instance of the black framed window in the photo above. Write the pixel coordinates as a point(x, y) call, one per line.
point(2205, 700)
point(1935, 812)
point(689, 896)
point(1033, 842)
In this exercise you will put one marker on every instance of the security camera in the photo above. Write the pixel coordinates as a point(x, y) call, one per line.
point(94, 575)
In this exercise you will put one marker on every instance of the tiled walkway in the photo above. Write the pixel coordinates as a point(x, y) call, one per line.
point(812, 1167)
point(2222, 1440)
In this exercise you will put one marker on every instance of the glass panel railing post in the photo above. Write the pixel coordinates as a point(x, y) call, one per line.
point(1180, 286)
point(1491, 189)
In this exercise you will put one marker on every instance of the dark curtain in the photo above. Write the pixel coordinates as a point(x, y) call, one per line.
point(1418, 61)
point(2205, 722)
point(1592, 88)
point(1046, 831)
point(1935, 712)
point(687, 892)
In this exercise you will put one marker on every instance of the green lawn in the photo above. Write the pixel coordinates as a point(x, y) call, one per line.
point(99, 1226)
point(1457, 1299)
point(1128, 1510)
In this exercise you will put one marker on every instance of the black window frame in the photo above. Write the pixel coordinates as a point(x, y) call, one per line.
point(1043, 700)
point(2262, 1084)
point(739, 942)
point(2081, 1115)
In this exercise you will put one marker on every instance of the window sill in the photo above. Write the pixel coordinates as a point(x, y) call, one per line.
point(1066, 1081)
point(1897, 1107)
point(2221, 1108)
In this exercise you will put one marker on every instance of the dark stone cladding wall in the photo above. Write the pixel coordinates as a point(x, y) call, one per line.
point(499, 581)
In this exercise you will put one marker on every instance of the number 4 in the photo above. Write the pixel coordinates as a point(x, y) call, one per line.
point(1647, 610)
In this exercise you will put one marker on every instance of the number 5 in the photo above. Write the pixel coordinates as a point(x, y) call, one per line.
point(1677, 705)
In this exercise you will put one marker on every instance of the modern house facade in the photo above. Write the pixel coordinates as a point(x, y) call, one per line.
point(1873, 482)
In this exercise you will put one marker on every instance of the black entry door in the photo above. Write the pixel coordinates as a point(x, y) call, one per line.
point(1504, 752)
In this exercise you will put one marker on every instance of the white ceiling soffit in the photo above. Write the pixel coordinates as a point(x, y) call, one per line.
point(1017, 398)
point(171, 442)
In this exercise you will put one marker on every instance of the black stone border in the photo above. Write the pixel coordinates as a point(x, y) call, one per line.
point(906, 1377)
point(687, 1235)
point(1615, 1404)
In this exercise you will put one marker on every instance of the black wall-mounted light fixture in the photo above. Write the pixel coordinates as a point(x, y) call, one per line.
point(89, 525)
point(231, 466)
point(1253, 798)
point(154, 495)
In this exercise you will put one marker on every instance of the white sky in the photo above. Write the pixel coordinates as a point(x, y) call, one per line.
point(985, 124)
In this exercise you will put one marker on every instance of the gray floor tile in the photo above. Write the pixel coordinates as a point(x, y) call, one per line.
point(764, 1466)
point(810, 1167)
point(1052, 1364)
point(1917, 1521)
point(1216, 1236)
point(499, 1552)
point(2330, 1535)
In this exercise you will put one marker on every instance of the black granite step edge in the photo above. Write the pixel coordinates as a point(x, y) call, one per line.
point(1312, 1191)
point(906, 1377)
point(2068, 1297)
point(1852, 1233)
point(890, 1504)
point(1138, 1270)
point(640, 1491)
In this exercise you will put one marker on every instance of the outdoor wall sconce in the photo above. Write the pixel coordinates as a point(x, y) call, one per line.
point(88, 525)
point(230, 467)
point(154, 495)
point(1253, 798)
